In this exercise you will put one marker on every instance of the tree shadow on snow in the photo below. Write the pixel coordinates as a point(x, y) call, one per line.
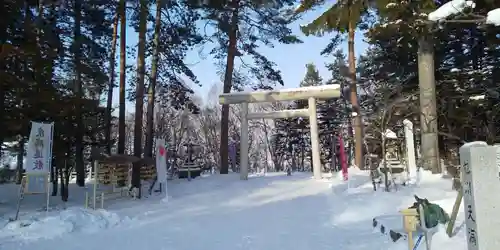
point(294, 224)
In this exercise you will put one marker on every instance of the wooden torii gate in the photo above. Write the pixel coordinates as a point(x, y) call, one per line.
point(304, 93)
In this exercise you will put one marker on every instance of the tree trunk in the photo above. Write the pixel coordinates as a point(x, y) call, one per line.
point(123, 65)
point(268, 146)
point(302, 149)
point(64, 176)
point(54, 180)
point(148, 147)
point(79, 164)
point(2, 113)
point(53, 55)
point(428, 117)
point(20, 158)
point(139, 101)
point(54, 173)
point(228, 78)
point(357, 121)
point(38, 63)
point(111, 86)
point(386, 170)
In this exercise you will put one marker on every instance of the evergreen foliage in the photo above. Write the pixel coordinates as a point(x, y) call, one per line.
point(56, 68)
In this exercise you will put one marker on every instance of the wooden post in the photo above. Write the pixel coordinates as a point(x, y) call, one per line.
point(22, 188)
point(410, 222)
point(244, 142)
point(96, 180)
point(454, 213)
point(313, 124)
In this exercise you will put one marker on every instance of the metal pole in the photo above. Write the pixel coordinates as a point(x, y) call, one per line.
point(96, 179)
point(424, 227)
point(244, 142)
point(334, 153)
point(47, 182)
point(313, 120)
point(50, 167)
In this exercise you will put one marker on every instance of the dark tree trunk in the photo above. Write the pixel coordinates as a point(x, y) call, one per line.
point(123, 71)
point(148, 146)
point(20, 158)
point(139, 101)
point(228, 78)
point(79, 164)
point(357, 121)
point(64, 176)
point(111, 86)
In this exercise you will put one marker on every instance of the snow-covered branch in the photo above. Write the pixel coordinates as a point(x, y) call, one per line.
point(450, 8)
point(456, 7)
point(493, 17)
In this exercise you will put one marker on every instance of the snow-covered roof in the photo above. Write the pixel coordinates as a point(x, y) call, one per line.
point(389, 134)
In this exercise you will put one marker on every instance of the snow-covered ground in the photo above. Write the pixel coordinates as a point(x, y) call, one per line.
point(221, 212)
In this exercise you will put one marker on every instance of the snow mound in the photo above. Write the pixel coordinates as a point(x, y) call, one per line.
point(67, 221)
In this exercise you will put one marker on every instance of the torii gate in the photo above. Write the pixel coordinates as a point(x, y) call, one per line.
point(310, 93)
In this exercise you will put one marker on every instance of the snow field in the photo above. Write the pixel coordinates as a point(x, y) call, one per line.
point(221, 212)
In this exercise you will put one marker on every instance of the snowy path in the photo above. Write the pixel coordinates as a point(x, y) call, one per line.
point(276, 212)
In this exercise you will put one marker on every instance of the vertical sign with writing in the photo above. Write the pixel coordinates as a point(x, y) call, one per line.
point(467, 186)
point(479, 181)
point(39, 153)
point(161, 161)
point(38, 157)
point(161, 165)
point(39, 160)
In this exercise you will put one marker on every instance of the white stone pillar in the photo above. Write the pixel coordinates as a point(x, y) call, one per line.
point(480, 186)
point(244, 142)
point(410, 149)
point(313, 123)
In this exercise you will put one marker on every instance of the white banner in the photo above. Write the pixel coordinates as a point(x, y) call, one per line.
point(39, 152)
point(161, 161)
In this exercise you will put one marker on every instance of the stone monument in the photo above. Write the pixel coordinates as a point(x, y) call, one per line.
point(481, 185)
point(410, 150)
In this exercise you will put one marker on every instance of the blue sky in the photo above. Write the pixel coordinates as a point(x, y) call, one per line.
point(290, 59)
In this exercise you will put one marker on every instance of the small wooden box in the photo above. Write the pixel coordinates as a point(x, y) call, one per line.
point(410, 219)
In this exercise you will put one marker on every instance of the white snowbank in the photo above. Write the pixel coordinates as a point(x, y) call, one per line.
point(493, 17)
point(450, 8)
point(474, 144)
point(67, 221)
point(263, 213)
